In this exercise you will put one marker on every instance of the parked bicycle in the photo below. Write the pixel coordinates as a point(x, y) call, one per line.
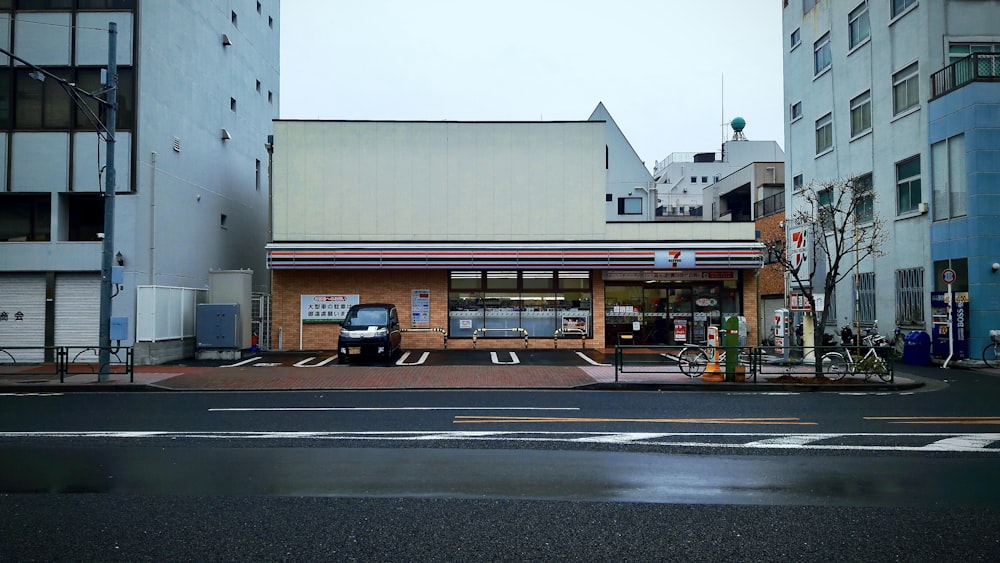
point(991, 353)
point(838, 364)
point(694, 359)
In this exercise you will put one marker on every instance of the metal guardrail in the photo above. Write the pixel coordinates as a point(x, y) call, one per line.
point(62, 365)
point(444, 333)
point(756, 360)
point(475, 333)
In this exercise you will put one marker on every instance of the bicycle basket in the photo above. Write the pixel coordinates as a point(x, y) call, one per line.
point(995, 336)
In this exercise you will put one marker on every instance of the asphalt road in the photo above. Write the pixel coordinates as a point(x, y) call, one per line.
point(501, 475)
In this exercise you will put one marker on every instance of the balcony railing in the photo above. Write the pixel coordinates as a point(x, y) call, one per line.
point(977, 67)
point(769, 205)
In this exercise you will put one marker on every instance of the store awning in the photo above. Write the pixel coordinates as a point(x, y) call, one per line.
point(516, 256)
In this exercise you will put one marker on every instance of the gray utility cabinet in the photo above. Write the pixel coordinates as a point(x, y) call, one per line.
point(217, 325)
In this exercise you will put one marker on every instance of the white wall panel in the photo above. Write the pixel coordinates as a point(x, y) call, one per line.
point(43, 38)
point(438, 181)
point(40, 161)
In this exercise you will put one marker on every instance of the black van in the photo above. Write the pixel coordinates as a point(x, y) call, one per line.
point(369, 330)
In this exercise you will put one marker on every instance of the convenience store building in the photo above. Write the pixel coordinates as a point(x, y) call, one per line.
point(516, 232)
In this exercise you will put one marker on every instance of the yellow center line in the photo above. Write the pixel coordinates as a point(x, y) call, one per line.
point(538, 419)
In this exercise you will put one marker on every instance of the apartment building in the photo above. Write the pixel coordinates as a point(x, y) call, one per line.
point(903, 93)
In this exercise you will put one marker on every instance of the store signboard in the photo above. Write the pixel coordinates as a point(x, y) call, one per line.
point(420, 308)
point(574, 323)
point(326, 308)
point(669, 275)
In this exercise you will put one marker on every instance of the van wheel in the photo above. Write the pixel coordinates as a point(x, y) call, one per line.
point(341, 359)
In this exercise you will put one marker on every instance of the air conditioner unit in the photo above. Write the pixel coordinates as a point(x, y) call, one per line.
point(922, 207)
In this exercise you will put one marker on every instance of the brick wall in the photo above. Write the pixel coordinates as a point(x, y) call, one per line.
point(383, 286)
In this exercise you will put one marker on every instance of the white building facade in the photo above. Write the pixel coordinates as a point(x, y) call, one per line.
point(197, 93)
point(857, 93)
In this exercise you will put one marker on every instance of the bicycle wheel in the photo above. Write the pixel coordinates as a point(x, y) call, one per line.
point(835, 365)
point(881, 368)
point(692, 361)
point(991, 355)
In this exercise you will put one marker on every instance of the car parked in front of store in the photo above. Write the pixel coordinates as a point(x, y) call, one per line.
point(369, 330)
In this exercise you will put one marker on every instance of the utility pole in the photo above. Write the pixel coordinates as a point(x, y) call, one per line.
point(107, 256)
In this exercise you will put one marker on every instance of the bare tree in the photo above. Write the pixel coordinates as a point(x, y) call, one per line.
point(832, 227)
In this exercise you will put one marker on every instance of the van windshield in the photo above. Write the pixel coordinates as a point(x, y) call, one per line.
point(366, 317)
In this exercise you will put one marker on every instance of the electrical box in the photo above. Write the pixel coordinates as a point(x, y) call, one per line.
point(119, 328)
point(217, 325)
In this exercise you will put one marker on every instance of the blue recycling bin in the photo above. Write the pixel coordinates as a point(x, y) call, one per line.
point(917, 348)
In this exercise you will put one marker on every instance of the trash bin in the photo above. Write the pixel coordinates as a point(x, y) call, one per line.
point(917, 348)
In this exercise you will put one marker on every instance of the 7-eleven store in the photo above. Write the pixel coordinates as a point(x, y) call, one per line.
point(508, 295)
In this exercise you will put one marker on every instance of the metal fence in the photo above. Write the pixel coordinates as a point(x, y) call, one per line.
point(68, 360)
point(761, 364)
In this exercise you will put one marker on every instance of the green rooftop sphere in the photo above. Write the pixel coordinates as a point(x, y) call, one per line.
point(738, 124)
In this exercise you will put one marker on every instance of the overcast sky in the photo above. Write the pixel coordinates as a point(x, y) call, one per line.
point(658, 65)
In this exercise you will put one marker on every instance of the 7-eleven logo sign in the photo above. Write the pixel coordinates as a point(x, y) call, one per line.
point(674, 258)
point(797, 253)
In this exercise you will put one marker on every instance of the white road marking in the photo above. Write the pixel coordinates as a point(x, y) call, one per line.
point(590, 360)
point(36, 394)
point(402, 359)
point(803, 442)
point(791, 440)
point(513, 357)
point(303, 363)
point(293, 409)
point(964, 442)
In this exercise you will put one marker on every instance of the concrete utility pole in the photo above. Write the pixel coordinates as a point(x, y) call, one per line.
point(107, 256)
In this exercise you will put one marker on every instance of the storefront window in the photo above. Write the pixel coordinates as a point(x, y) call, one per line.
point(503, 300)
point(667, 307)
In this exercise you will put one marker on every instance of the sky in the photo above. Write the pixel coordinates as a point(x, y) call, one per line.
point(672, 73)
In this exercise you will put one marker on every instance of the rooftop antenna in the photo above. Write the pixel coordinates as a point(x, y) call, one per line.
point(722, 103)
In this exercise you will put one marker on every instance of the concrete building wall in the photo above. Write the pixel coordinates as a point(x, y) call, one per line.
point(439, 181)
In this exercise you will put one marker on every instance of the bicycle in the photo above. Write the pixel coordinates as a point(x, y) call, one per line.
point(837, 365)
point(991, 353)
point(693, 360)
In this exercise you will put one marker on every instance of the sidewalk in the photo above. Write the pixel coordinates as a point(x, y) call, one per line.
point(267, 377)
